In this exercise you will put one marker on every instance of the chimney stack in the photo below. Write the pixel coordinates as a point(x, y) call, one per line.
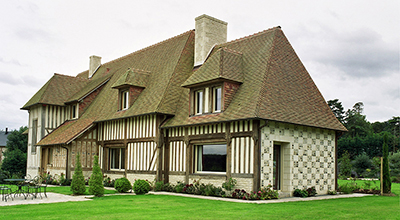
point(94, 64)
point(209, 31)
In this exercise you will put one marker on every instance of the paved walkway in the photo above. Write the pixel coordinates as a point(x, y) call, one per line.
point(55, 197)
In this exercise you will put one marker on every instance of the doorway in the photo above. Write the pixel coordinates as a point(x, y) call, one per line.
point(277, 167)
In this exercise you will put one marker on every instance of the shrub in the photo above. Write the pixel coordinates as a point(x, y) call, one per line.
point(107, 182)
point(141, 187)
point(78, 181)
point(332, 192)
point(361, 163)
point(96, 186)
point(122, 185)
point(229, 184)
point(348, 187)
point(311, 191)
point(179, 187)
point(159, 186)
point(300, 193)
point(268, 193)
point(387, 184)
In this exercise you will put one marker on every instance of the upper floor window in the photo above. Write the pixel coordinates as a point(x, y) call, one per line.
point(199, 101)
point(217, 97)
point(124, 99)
point(74, 111)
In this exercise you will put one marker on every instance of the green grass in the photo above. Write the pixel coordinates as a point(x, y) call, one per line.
point(66, 190)
point(174, 207)
point(377, 183)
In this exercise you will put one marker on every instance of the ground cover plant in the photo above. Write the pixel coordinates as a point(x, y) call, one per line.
point(175, 207)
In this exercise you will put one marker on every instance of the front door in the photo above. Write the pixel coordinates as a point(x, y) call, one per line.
point(277, 167)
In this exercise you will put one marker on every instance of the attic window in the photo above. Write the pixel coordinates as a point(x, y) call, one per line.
point(206, 100)
point(124, 99)
point(199, 100)
point(217, 98)
point(74, 111)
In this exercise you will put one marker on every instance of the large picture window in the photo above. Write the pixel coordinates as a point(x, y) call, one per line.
point(117, 158)
point(210, 158)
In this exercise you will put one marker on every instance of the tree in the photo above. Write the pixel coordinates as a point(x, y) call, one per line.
point(387, 183)
point(361, 163)
point(15, 156)
point(78, 181)
point(337, 109)
point(96, 186)
point(345, 165)
point(356, 123)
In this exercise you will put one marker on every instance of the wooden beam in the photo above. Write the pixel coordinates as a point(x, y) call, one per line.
point(257, 148)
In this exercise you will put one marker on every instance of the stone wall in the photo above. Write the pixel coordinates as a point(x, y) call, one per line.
point(308, 157)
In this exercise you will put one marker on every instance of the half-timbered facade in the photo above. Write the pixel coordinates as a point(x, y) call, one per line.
point(191, 107)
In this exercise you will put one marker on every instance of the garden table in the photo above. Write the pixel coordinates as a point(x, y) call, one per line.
point(19, 183)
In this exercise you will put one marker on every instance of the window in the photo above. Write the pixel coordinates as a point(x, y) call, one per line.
point(217, 97)
point(74, 111)
point(124, 100)
point(210, 158)
point(117, 158)
point(199, 102)
point(34, 135)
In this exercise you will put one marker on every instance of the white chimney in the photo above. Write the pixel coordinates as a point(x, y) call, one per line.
point(209, 31)
point(94, 64)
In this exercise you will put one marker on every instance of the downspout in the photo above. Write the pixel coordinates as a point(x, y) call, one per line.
point(66, 163)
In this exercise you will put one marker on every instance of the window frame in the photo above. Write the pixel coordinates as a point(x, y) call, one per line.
point(121, 159)
point(198, 102)
point(124, 99)
point(209, 97)
point(196, 158)
point(214, 99)
point(74, 111)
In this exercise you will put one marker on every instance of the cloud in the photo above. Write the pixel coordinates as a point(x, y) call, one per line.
point(14, 62)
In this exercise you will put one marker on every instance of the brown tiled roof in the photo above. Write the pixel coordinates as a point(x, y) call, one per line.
point(276, 87)
point(224, 64)
point(57, 90)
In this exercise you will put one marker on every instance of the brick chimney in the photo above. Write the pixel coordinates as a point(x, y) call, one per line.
point(94, 64)
point(209, 31)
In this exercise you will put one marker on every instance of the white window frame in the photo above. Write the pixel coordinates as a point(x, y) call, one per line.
point(124, 95)
point(121, 159)
point(217, 102)
point(74, 111)
point(199, 102)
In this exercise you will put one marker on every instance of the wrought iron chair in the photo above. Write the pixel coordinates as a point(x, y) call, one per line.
point(37, 186)
point(5, 192)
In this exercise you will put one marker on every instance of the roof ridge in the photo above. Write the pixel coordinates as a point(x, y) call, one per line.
point(250, 36)
point(147, 48)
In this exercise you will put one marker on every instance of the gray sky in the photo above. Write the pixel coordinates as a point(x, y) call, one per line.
point(350, 48)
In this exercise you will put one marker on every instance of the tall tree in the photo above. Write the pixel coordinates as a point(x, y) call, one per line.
point(387, 183)
point(337, 109)
point(15, 156)
point(356, 123)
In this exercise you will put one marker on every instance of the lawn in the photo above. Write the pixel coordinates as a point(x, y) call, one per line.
point(175, 207)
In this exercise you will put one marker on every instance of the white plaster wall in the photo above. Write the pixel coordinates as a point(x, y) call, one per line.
point(309, 156)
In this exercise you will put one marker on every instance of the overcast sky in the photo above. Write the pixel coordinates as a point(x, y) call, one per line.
point(350, 48)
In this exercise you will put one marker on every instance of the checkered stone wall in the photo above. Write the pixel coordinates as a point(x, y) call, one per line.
point(307, 157)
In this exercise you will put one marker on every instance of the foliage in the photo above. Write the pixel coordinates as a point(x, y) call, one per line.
point(107, 182)
point(348, 187)
point(229, 184)
point(268, 193)
point(300, 193)
point(386, 174)
point(96, 186)
point(337, 109)
point(141, 187)
point(333, 192)
point(15, 156)
point(311, 191)
point(159, 186)
point(361, 163)
point(394, 163)
point(78, 181)
point(122, 185)
point(345, 165)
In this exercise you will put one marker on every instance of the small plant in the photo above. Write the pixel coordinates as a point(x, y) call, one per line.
point(268, 193)
point(78, 181)
point(229, 184)
point(107, 182)
point(122, 185)
point(159, 186)
point(300, 193)
point(333, 192)
point(141, 187)
point(179, 187)
point(311, 191)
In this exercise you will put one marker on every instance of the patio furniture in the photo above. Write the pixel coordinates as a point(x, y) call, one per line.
point(37, 186)
point(21, 185)
point(5, 192)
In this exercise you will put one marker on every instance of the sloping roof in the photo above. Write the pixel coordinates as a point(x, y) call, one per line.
point(57, 90)
point(92, 85)
point(224, 64)
point(167, 65)
point(276, 87)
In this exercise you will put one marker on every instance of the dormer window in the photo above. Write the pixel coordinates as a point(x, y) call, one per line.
point(124, 99)
point(199, 101)
point(217, 99)
point(74, 111)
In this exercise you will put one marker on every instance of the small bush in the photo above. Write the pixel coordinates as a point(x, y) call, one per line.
point(96, 186)
point(158, 186)
point(141, 187)
point(268, 193)
point(348, 187)
point(311, 191)
point(300, 193)
point(107, 182)
point(78, 181)
point(122, 185)
point(229, 184)
point(332, 192)
point(179, 187)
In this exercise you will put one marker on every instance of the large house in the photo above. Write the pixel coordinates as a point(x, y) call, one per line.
point(191, 107)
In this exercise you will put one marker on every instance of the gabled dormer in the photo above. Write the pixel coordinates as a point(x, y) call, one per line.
point(214, 84)
point(129, 86)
